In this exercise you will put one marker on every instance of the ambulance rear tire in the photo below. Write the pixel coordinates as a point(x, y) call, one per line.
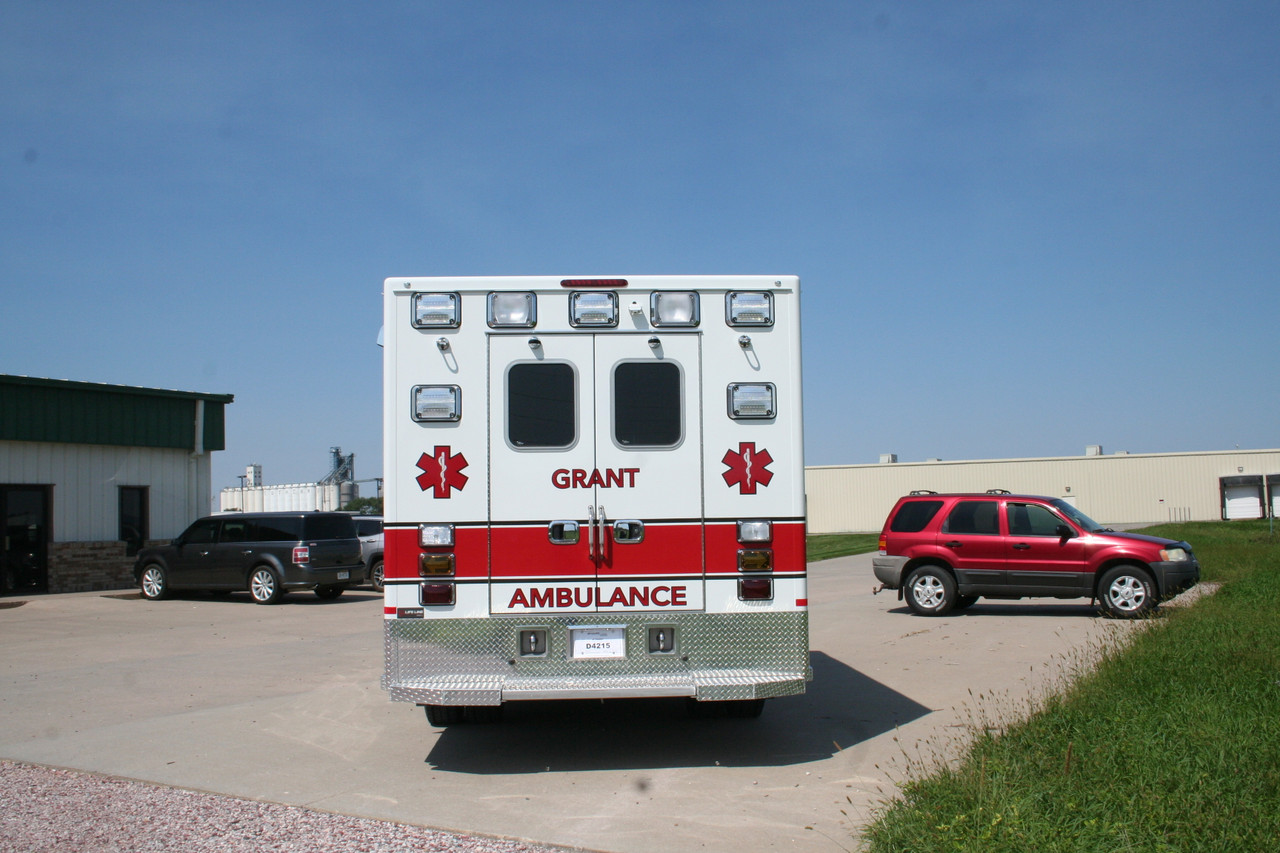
point(482, 713)
point(745, 709)
point(443, 715)
point(742, 709)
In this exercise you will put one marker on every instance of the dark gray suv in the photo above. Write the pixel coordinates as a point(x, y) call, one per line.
point(266, 553)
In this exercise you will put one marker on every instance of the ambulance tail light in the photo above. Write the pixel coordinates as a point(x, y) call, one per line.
point(755, 589)
point(755, 531)
point(436, 594)
point(593, 309)
point(432, 565)
point(749, 308)
point(674, 308)
point(513, 310)
point(754, 400)
point(755, 560)
point(437, 403)
point(435, 535)
point(437, 311)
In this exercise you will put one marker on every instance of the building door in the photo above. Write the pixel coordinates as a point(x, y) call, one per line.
point(24, 563)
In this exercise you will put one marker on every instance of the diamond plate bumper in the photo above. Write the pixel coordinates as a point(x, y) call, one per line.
point(716, 656)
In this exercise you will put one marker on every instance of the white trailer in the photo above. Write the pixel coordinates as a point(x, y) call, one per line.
point(594, 488)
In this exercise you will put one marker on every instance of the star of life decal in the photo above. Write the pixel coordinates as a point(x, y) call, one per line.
point(442, 471)
point(747, 467)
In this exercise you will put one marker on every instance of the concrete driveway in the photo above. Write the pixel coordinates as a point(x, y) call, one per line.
point(283, 704)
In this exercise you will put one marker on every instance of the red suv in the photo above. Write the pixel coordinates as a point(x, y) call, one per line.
point(943, 552)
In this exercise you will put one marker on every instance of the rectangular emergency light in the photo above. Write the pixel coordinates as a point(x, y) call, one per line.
point(513, 310)
point(593, 308)
point(437, 403)
point(674, 308)
point(755, 531)
point(748, 400)
point(437, 311)
point(749, 308)
point(435, 535)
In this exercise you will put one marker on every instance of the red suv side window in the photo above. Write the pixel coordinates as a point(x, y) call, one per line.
point(914, 516)
point(1032, 520)
point(973, 517)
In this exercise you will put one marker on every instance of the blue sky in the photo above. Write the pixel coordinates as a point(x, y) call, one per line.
point(1021, 228)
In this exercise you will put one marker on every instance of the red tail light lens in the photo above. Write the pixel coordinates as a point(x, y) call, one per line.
point(301, 554)
point(755, 589)
point(436, 594)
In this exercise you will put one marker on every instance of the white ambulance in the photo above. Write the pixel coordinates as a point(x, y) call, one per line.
point(594, 488)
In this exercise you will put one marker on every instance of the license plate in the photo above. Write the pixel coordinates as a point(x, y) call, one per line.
point(595, 643)
point(343, 575)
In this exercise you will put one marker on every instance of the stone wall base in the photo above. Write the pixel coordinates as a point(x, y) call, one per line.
point(89, 566)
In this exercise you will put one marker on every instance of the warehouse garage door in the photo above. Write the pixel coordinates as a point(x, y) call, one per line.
point(1242, 497)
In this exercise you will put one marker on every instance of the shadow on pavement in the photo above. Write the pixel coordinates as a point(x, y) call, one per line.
point(841, 708)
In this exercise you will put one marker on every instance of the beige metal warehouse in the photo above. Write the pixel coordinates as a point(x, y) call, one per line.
point(1120, 488)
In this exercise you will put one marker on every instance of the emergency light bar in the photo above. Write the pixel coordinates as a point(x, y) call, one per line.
point(507, 310)
point(674, 308)
point(754, 400)
point(437, 403)
point(749, 308)
point(436, 311)
point(593, 309)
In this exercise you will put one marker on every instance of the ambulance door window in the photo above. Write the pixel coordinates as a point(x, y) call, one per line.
point(541, 405)
point(647, 404)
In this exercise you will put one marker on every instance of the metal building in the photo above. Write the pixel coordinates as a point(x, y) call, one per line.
point(1112, 489)
point(91, 472)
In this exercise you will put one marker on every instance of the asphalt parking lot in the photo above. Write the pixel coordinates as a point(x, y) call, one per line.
point(283, 704)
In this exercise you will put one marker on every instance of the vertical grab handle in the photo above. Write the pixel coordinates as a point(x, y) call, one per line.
point(603, 537)
point(591, 531)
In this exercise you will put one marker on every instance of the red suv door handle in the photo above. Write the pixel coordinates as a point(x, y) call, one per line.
point(1021, 546)
point(952, 544)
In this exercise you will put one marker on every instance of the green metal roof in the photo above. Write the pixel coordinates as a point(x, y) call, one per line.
point(57, 410)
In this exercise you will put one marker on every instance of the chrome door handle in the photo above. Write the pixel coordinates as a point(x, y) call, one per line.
point(591, 531)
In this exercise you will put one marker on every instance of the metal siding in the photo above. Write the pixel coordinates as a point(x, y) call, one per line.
point(1120, 488)
point(86, 413)
point(85, 480)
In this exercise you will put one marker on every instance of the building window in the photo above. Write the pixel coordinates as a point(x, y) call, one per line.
point(134, 517)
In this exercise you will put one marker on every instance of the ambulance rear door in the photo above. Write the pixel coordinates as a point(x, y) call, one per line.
point(595, 492)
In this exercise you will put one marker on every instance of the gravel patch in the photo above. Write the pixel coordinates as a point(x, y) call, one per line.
point(48, 809)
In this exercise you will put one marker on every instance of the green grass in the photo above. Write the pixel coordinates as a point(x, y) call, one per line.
point(1171, 744)
point(828, 545)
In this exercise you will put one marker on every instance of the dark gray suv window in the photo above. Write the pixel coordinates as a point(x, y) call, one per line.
point(980, 517)
point(204, 531)
point(329, 527)
point(283, 529)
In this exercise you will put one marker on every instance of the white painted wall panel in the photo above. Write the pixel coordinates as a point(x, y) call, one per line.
point(85, 480)
point(1120, 488)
